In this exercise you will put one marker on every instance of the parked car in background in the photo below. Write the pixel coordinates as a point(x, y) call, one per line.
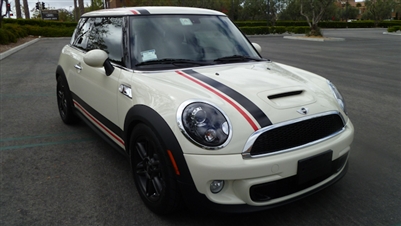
point(203, 119)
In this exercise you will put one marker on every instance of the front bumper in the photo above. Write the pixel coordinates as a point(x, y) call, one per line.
point(268, 181)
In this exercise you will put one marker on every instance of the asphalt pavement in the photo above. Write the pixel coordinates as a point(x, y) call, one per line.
point(54, 174)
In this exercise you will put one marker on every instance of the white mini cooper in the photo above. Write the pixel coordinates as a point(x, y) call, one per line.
point(203, 119)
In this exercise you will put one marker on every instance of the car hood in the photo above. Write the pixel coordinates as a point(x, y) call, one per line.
point(268, 82)
point(278, 91)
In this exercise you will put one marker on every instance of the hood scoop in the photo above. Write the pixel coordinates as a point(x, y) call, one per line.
point(288, 97)
point(286, 94)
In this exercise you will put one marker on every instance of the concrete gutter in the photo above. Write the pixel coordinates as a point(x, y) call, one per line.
point(16, 49)
point(392, 33)
point(324, 39)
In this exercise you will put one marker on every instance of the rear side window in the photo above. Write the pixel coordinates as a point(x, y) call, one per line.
point(103, 33)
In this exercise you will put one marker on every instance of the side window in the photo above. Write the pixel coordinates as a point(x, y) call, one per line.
point(80, 35)
point(78, 30)
point(106, 34)
point(103, 33)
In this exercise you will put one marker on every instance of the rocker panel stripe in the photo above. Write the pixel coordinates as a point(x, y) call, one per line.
point(106, 126)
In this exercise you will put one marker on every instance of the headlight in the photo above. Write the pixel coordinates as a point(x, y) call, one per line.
point(338, 96)
point(204, 124)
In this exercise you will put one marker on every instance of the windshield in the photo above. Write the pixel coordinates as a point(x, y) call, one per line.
point(161, 41)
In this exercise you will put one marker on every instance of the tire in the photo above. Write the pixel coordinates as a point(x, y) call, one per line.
point(153, 173)
point(64, 102)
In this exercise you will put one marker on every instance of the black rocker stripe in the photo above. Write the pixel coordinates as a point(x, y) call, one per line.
point(254, 110)
point(109, 124)
point(143, 11)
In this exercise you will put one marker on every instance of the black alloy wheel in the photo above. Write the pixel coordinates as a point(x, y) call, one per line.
point(152, 170)
point(64, 102)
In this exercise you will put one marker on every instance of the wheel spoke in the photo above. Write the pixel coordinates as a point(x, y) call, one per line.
point(158, 186)
point(140, 169)
point(141, 150)
point(150, 190)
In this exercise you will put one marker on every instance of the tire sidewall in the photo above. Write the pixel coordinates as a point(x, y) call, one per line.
point(68, 117)
point(169, 199)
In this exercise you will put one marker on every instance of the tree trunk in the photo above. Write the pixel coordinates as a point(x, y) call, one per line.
point(26, 9)
point(18, 9)
point(75, 11)
point(81, 7)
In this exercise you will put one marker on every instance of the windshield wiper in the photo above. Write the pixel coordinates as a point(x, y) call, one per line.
point(237, 58)
point(172, 61)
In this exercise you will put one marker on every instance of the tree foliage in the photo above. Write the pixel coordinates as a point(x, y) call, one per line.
point(347, 12)
point(313, 11)
point(379, 10)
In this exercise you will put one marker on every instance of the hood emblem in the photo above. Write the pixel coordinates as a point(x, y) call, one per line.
point(303, 111)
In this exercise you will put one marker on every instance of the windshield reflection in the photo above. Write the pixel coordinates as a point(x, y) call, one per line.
point(199, 38)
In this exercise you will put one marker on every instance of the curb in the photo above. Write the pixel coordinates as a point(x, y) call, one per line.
point(315, 39)
point(16, 49)
point(391, 33)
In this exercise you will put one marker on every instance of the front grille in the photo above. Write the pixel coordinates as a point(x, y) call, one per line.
point(297, 134)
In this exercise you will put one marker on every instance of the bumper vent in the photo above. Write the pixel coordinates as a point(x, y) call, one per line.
point(297, 134)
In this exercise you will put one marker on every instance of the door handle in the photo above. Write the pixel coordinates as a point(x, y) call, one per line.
point(78, 66)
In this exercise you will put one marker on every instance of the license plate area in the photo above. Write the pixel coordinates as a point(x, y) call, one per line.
point(315, 168)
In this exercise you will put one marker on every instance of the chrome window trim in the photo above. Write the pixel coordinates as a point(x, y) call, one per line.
point(246, 153)
point(183, 131)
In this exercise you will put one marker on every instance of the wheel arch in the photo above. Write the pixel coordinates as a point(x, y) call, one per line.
point(146, 115)
point(60, 73)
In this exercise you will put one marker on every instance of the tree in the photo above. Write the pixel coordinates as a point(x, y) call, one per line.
point(313, 11)
point(254, 10)
point(81, 7)
point(1, 13)
point(76, 11)
point(26, 9)
point(18, 9)
point(95, 5)
point(347, 12)
point(397, 9)
point(292, 11)
point(379, 10)
point(65, 15)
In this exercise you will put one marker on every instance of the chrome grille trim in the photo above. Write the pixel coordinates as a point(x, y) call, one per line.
point(246, 153)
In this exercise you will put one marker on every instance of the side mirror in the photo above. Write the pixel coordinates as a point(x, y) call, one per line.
point(99, 58)
point(257, 47)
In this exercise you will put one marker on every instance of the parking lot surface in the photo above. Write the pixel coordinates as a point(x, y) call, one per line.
point(54, 174)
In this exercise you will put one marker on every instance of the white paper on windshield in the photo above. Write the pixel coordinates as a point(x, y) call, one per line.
point(185, 21)
point(149, 55)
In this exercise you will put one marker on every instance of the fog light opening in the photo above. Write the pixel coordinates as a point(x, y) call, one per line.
point(216, 186)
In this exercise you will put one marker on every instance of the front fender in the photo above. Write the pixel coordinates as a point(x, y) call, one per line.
point(148, 116)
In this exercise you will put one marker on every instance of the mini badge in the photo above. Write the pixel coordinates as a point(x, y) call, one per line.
point(303, 111)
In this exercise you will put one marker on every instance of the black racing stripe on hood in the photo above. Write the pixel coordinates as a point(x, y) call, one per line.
point(254, 110)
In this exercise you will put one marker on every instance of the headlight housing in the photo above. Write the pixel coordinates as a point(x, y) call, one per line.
point(338, 96)
point(204, 124)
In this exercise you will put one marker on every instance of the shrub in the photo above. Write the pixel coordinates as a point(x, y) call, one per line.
point(7, 36)
point(300, 30)
point(394, 29)
point(278, 29)
point(40, 23)
point(50, 31)
point(261, 30)
point(4, 40)
point(18, 31)
point(251, 23)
